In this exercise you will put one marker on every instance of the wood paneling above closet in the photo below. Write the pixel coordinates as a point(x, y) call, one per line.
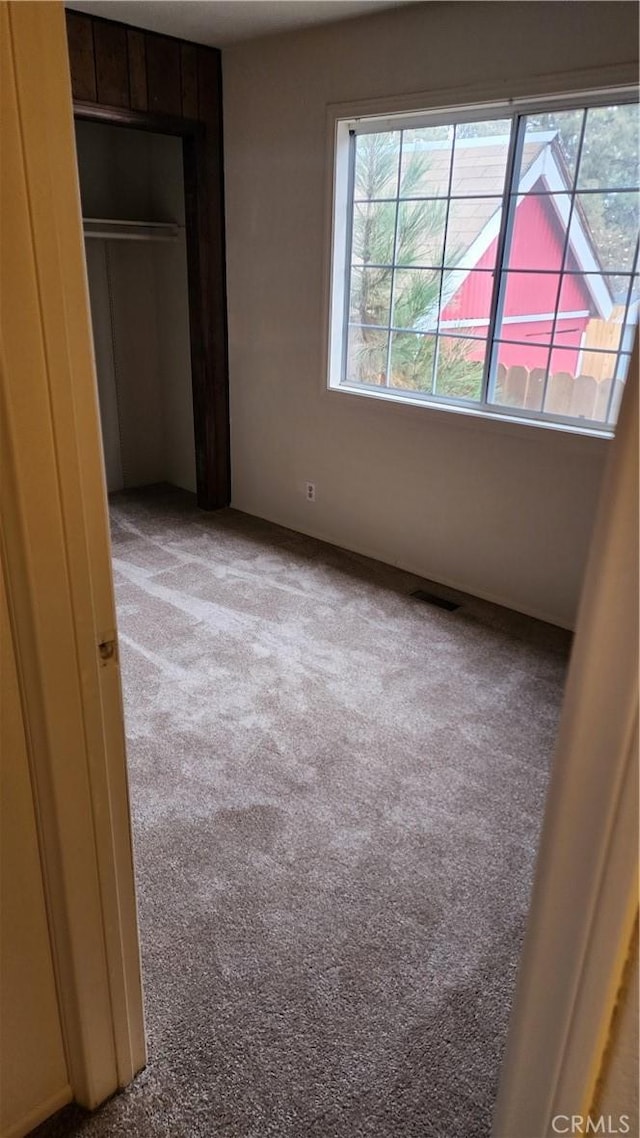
point(137, 70)
point(112, 71)
point(81, 57)
point(127, 67)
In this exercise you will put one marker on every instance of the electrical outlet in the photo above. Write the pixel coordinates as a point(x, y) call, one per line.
point(310, 491)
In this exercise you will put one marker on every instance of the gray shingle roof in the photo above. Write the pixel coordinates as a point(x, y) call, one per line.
point(478, 174)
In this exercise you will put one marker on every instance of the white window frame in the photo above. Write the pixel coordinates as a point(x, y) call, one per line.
point(342, 127)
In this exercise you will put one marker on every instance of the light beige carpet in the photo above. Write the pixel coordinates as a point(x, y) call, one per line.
point(337, 792)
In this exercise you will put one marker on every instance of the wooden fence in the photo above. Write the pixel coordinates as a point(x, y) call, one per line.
point(605, 336)
point(584, 396)
point(580, 396)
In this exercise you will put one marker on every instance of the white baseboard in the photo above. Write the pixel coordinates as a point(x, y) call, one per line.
point(447, 583)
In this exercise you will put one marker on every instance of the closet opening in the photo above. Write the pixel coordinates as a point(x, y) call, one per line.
point(133, 208)
point(146, 246)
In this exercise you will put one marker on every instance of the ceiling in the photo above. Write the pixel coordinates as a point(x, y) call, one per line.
point(221, 22)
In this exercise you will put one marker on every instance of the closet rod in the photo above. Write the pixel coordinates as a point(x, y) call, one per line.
point(116, 230)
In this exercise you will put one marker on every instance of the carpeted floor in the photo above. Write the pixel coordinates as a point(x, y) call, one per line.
point(337, 791)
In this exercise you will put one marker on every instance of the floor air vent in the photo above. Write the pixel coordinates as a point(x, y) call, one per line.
point(430, 599)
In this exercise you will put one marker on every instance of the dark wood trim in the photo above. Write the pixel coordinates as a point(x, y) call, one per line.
point(198, 316)
point(164, 83)
point(212, 241)
point(136, 50)
point(189, 80)
point(175, 87)
point(112, 64)
point(81, 50)
point(137, 120)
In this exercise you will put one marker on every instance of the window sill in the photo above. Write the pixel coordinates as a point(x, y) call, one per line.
point(451, 416)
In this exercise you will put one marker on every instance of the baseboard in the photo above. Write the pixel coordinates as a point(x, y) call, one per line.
point(406, 567)
point(39, 1114)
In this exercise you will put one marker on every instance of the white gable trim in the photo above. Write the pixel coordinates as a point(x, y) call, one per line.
point(546, 166)
point(578, 238)
point(527, 318)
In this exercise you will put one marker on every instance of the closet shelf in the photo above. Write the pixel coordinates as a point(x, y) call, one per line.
point(130, 230)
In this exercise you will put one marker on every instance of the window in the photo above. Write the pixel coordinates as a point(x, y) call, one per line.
point(488, 260)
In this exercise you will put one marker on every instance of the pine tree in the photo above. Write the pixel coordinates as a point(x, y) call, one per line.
point(416, 235)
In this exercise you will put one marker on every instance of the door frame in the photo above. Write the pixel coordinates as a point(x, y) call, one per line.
point(585, 898)
point(56, 558)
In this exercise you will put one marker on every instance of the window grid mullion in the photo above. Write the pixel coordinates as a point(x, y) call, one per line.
point(583, 191)
point(452, 334)
point(565, 248)
point(614, 378)
point(393, 263)
point(436, 352)
point(512, 272)
point(509, 205)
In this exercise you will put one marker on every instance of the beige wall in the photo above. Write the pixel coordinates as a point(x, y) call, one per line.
point(494, 510)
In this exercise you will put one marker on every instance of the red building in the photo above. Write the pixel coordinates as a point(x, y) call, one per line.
point(535, 257)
